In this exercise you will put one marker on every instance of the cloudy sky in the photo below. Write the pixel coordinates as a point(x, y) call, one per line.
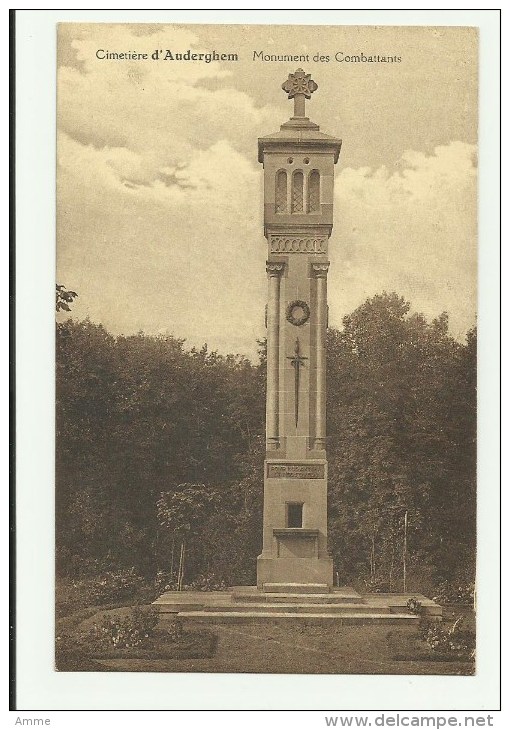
point(160, 190)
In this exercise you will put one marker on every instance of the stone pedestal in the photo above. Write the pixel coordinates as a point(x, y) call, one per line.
point(284, 603)
point(295, 554)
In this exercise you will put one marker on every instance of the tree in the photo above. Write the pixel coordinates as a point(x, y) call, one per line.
point(183, 512)
point(401, 406)
point(64, 298)
point(140, 416)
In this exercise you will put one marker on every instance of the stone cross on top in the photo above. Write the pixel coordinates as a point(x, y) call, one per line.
point(299, 86)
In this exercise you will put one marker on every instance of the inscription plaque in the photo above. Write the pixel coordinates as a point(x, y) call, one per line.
point(295, 471)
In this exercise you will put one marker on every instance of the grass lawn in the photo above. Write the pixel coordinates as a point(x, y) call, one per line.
point(75, 653)
point(258, 648)
point(262, 648)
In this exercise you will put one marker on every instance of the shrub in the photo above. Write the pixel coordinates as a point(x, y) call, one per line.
point(450, 640)
point(376, 585)
point(449, 593)
point(115, 586)
point(207, 582)
point(164, 581)
point(125, 632)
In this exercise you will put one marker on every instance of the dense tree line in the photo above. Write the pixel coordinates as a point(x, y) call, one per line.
point(402, 420)
point(159, 446)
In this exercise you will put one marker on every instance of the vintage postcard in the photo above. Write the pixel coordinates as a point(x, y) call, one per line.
point(266, 349)
point(257, 439)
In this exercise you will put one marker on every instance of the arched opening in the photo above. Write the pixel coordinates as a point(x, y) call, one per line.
point(297, 192)
point(314, 192)
point(281, 192)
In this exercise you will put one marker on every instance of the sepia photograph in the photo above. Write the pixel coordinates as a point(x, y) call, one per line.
point(266, 349)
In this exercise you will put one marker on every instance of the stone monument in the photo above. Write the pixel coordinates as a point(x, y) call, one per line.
point(298, 218)
point(294, 570)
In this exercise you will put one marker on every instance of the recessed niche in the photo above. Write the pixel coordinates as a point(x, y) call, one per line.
point(294, 514)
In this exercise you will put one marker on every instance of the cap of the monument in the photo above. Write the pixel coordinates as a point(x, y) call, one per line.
point(299, 129)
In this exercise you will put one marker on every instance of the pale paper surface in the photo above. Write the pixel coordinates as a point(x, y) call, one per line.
point(321, 690)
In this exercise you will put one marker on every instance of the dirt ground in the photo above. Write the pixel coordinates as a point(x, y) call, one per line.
point(266, 648)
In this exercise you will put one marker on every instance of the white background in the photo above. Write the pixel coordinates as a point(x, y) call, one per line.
point(41, 689)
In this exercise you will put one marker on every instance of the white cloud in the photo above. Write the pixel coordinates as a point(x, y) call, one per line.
point(156, 109)
point(186, 258)
point(412, 231)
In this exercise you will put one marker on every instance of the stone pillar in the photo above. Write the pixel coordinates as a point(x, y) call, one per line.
point(299, 105)
point(274, 271)
point(295, 524)
point(321, 271)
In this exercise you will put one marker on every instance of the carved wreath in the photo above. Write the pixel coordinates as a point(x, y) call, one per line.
point(297, 321)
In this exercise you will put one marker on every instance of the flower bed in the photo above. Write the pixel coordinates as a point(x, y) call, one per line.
point(86, 638)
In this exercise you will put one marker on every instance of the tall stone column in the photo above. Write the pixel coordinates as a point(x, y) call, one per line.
point(274, 272)
point(321, 271)
point(299, 160)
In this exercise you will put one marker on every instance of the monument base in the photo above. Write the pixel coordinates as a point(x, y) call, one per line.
point(338, 606)
point(294, 570)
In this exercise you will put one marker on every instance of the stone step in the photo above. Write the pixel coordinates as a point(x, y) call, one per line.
point(325, 618)
point(247, 598)
point(175, 608)
point(295, 597)
point(296, 588)
point(302, 607)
